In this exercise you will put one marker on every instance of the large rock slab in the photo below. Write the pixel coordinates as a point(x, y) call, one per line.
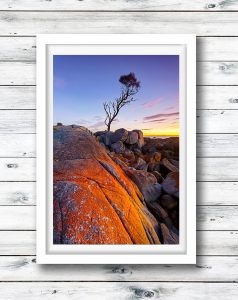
point(132, 138)
point(146, 182)
point(168, 235)
point(118, 147)
point(119, 135)
point(168, 201)
point(171, 184)
point(94, 201)
point(140, 142)
point(168, 166)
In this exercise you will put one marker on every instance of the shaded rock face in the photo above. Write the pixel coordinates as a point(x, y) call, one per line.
point(168, 166)
point(168, 202)
point(140, 142)
point(168, 147)
point(94, 201)
point(119, 135)
point(118, 147)
point(132, 138)
point(146, 182)
point(157, 158)
point(171, 184)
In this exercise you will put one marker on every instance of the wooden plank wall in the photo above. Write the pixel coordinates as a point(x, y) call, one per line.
point(215, 276)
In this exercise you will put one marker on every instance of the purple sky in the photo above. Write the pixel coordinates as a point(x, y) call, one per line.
point(83, 82)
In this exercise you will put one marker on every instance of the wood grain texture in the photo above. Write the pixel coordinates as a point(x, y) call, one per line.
point(217, 97)
point(208, 193)
point(199, 23)
point(208, 73)
point(17, 169)
point(18, 97)
point(217, 169)
point(17, 121)
point(208, 169)
point(217, 73)
point(217, 193)
point(208, 121)
point(217, 145)
point(208, 243)
point(208, 97)
point(21, 48)
point(118, 290)
point(208, 145)
point(17, 193)
point(217, 121)
point(18, 145)
point(207, 269)
point(121, 5)
point(208, 218)
point(217, 48)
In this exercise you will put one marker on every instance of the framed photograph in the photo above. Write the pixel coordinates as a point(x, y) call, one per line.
point(116, 149)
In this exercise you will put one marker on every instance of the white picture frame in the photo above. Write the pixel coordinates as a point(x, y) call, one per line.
point(185, 46)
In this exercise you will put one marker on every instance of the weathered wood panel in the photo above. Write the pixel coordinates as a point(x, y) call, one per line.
point(118, 290)
point(217, 121)
point(208, 218)
point(17, 73)
point(217, 97)
point(208, 121)
point(18, 49)
point(199, 23)
point(217, 193)
point(208, 169)
point(217, 243)
point(217, 169)
point(217, 48)
point(208, 193)
point(17, 169)
point(208, 242)
point(208, 145)
point(217, 73)
point(18, 97)
point(18, 243)
point(17, 121)
point(207, 269)
point(121, 5)
point(208, 97)
point(17, 193)
point(17, 145)
point(208, 73)
point(212, 145)
point(21, 48)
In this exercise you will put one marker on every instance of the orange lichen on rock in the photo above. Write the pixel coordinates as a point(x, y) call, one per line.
point(94, 201)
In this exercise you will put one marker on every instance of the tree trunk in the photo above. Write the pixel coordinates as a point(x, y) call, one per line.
point(109, 126)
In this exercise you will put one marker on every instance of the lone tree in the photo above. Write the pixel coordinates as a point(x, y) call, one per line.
point(130, 86)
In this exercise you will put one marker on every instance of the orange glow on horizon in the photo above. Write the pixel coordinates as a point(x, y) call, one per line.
point(162, 133)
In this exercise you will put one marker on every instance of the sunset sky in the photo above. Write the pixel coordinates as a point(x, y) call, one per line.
point(83, 82)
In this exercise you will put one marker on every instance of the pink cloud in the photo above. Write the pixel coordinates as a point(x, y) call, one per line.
point(161, 115)
point(151, 103)
point(156, 121)
point(97, 124)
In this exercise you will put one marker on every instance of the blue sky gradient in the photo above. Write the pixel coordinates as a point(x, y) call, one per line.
point(83, 82)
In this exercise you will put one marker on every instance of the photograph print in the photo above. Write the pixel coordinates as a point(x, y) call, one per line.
point(118, 151)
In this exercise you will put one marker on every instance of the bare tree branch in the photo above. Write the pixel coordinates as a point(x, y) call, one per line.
point(131, 86)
